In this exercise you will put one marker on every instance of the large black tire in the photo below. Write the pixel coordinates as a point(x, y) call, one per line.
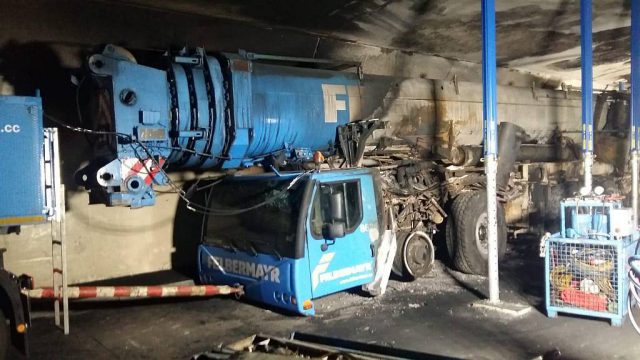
point(5, 336)
point(466, 233)
point(450, 238)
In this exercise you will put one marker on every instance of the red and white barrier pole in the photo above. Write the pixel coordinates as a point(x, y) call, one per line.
point(134, 292)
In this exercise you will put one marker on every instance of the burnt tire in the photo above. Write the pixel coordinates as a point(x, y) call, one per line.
point(450, 238)
point(5, 336)
point(466, 235)
point(415, 255)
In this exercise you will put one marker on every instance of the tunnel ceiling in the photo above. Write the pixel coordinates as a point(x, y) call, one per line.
point(541, 36)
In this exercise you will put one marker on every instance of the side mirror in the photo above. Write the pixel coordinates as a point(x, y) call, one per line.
point(333, 231)
point(336, 204)
point(334, 226)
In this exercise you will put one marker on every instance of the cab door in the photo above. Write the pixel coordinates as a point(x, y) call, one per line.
point(341, 232)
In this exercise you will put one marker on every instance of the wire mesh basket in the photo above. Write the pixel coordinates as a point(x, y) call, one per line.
point(587, 276)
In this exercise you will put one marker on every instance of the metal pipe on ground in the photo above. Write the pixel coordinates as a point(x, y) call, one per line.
point(134, 292)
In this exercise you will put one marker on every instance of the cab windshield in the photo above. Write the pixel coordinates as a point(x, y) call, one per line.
point(269, 228)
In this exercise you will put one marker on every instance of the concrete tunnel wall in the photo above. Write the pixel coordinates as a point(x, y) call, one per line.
point(41, 42)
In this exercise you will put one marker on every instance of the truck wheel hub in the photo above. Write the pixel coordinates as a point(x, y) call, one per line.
point(418, 254)
point(482, 238)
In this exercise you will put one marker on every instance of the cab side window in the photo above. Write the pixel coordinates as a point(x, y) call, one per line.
point(325, 211)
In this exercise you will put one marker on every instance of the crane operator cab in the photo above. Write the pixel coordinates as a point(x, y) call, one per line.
point(293, 237)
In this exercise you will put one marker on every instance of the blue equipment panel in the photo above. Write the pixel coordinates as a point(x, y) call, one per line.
point(22, 193)
point(587, 218)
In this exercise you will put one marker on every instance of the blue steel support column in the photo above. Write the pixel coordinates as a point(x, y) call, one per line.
point(587, 90)
point(489, 109)
point(635, 102)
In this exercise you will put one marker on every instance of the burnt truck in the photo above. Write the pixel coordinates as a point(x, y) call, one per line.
point(234, 113)
point(428, 148)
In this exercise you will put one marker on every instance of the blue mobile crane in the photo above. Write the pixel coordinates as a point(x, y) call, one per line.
point(197, 115)
point(287, 238)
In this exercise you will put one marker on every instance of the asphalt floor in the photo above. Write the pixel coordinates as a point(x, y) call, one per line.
point(433, 315)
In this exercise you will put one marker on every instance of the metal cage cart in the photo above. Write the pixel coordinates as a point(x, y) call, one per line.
point(586, 262)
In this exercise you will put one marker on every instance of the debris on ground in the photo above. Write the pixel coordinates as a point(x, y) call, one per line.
point(410, 295)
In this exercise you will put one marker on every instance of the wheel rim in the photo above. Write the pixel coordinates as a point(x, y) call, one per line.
point(418, 254)
point(482, 238)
